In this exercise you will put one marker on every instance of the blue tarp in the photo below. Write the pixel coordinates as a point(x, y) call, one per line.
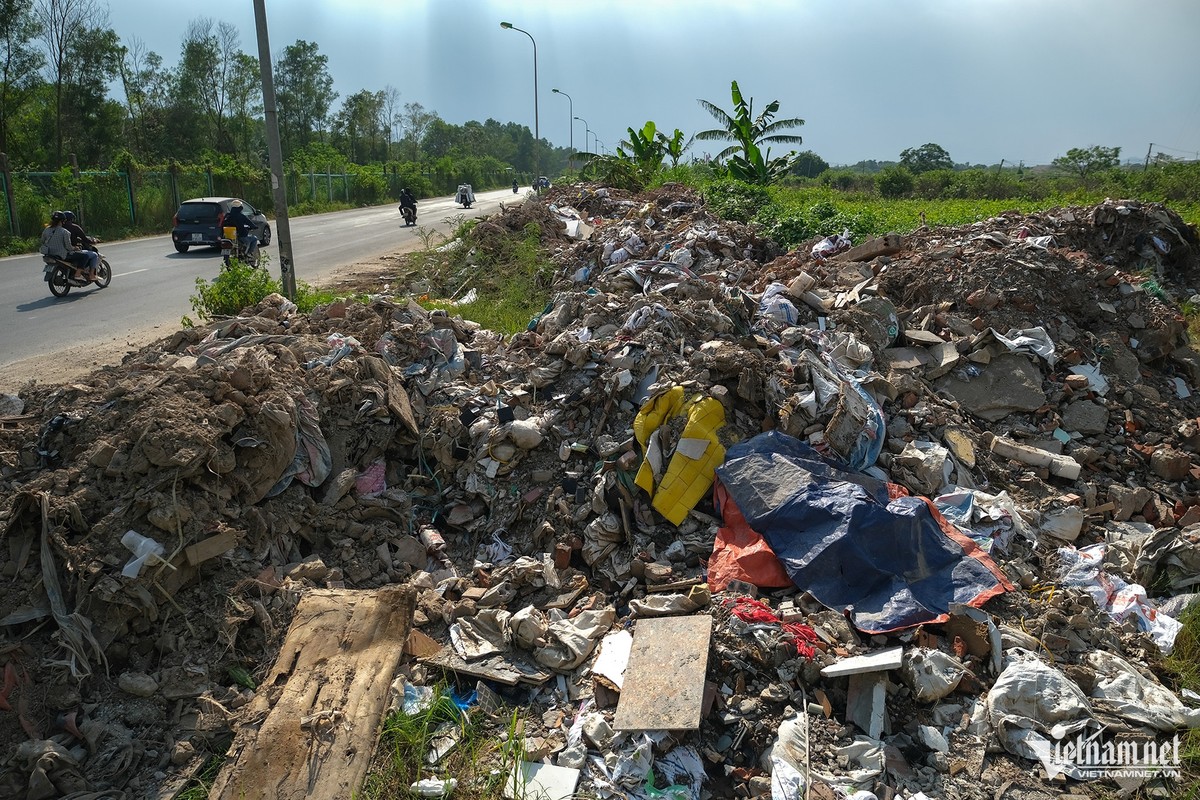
point(889, 563)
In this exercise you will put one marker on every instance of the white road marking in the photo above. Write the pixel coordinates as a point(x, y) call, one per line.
point(134, 272)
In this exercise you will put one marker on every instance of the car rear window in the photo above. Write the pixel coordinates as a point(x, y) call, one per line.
point(198, 213)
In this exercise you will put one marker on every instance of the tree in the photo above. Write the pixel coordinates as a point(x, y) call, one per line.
point(742, 128)
point(1086, 162)
point(19, 62)
point(61, 23)
point(416, 122)
point(808, 164)
point(212, 72)
point(358, 127)
point(304, 92)
point(747, 133)
point(894, 181)
point(147, 97)
point(927, 157)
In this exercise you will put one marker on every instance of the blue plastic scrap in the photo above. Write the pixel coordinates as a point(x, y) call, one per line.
point(890, 563)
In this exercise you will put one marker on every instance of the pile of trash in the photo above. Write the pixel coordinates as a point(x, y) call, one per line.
point(912, 517)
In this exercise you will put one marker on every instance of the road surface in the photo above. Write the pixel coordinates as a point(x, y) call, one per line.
point(49, 338)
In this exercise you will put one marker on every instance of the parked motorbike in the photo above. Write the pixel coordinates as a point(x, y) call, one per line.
point(410, 215)
point(60, 275)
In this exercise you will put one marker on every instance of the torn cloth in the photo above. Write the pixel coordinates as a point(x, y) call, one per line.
point(892, 562)
point(749, 610)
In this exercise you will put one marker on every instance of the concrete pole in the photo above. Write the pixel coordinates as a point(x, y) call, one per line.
point(283, 229)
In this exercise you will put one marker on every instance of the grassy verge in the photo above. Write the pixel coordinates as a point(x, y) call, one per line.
point(507, 272)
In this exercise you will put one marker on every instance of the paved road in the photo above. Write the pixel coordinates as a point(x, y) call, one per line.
point(152, 283)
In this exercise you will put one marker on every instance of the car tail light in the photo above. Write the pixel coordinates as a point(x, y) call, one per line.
point(175, 220)
point(220, 219)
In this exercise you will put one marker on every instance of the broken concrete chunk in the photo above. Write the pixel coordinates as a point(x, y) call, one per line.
point(1171, 464)
point(1010, 383)
point(1062, 466)
point(931, 674)
point(1085, 417)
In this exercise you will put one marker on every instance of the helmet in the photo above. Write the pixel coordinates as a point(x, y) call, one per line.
point(69, 216)
point(236, 204)
point(57, 216)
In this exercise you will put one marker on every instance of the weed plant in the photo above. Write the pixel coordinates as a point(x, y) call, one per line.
point(509, 274)
point(240, 286)
point(481, 761)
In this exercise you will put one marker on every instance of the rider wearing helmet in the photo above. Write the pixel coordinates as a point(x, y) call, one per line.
point(78, 237)
point(407, 200)
point(236, 218)
point(56, 243)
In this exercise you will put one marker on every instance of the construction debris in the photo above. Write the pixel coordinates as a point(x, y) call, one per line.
point(899, 519)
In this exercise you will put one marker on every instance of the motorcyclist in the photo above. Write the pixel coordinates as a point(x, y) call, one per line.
point(514, 186)
point(407, 200)
point(78, 237)
point(56, 243)
point(236, 218)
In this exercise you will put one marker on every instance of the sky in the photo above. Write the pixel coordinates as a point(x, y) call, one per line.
point(1019, 80)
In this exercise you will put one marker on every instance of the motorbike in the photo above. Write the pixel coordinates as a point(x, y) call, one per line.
point(232, 247)
point(514, 187)
point(464, 195)
point(410, 215)
point(60, 275)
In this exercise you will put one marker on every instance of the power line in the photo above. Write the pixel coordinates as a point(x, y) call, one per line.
point(1176, 149)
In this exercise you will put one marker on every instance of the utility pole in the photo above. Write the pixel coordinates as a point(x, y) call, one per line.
point(1146, 166)
point(287, 272)
point(14, 227)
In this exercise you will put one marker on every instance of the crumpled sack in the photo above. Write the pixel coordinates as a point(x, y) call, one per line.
point(666, 605)
point(1135, 697)
point(312, 461)
point(1029, 340)
point(485, 634)
point(569, 642)
point(1031, 701)
point(776, 307)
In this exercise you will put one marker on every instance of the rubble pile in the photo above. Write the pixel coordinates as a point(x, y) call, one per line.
point(843, 518)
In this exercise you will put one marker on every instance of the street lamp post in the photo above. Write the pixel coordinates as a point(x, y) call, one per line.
point(536, 132)
point(586, 130)
point(570, 123)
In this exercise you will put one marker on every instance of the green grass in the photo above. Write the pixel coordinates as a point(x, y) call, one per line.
point(480, 761)
point(509, 273)
point(201, 784)
point(1184, 661)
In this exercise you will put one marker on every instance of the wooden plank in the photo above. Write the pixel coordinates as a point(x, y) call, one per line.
point(211, 547)
point(664, 682)
point(314, 721)
point(497, 668)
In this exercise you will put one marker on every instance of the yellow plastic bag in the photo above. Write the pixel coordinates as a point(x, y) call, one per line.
point(677, 486)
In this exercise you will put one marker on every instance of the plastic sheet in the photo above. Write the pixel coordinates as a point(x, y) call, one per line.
point(1085, 568)
point(890, 563)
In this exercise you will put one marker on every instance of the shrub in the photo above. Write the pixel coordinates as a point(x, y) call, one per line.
point(238, 286)
point(736, 201)
point(894, 181)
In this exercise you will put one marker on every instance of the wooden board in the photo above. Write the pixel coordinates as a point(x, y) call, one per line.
point(315, 719)
point(664, 682)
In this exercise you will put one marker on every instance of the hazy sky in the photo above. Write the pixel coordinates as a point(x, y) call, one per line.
point(1022, 80)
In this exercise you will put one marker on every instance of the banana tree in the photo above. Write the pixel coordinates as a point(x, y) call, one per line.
point(747, 132)
point(675, 146)
point(646, 148)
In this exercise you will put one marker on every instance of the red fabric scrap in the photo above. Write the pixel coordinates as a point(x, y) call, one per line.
point(750, 610)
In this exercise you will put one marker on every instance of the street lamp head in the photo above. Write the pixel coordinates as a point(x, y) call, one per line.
point(506, 25)
point(556, 91)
